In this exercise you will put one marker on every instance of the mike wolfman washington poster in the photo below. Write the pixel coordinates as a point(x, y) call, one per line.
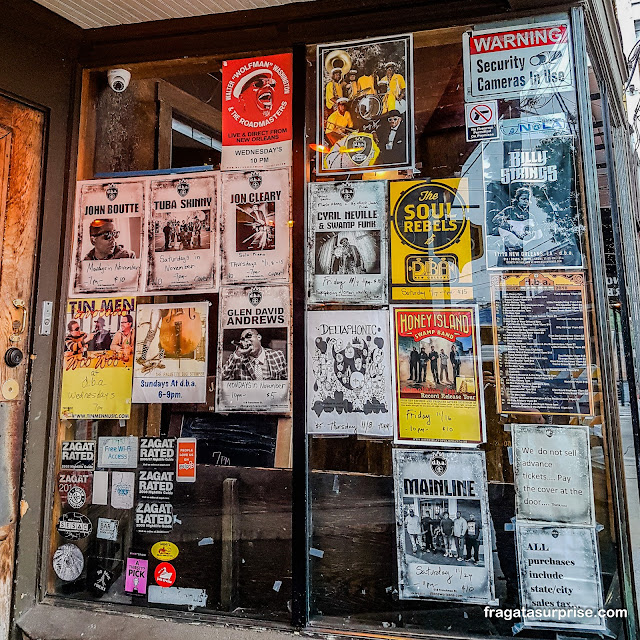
point(443, 529)
point(437, 375)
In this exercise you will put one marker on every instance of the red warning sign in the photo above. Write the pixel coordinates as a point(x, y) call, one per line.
point(482, 120)
point(165, 574)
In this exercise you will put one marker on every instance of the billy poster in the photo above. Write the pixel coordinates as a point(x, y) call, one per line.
point(182, 234)
point(365, 105)
point(254, 349)
point(530, 204)
point(108, 241)
point(348, 389)
point(256, 113)
point(98, 358)
point(443, 528)
point(347, 242)
point(437, 375)
point(171, 353)
point(255, 232)
point(431, 240)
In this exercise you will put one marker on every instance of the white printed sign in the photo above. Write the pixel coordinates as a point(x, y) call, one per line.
point(481, 119)
point(118, 452)
point(122, 489)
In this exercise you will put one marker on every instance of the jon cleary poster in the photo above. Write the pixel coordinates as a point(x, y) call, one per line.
point(365, 105)
point(98, 358)
point(347, 242)
point(108, 240)
point(254, 349)
point(443, 529)
point(254, 228)
point(171, 353)
point(348, 389)
point(182, 234)
point(437, 375)
point(256, 113)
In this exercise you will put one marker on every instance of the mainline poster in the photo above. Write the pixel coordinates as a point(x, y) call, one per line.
point(347, 242)
point(98, 358)
point(348, 389)
point(182, 234)
point(254, 349)
point(254, 227)
point(444, 538)
point(437, 375)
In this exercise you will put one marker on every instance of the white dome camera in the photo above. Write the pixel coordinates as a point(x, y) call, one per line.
point(118, 79)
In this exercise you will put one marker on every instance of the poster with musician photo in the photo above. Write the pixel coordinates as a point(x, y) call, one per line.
point(348, 374)
point(254, 228)
point(182, 242)
point(365, 105)
point(171, 353)
point(108, 240)
point(347, 242)
point(530, 203)
point(254, 349)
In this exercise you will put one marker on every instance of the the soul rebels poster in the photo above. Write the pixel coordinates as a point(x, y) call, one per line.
point(108, 241)
point(98, 358)
point(348, 387)
point(437, 375)
point(347, 240)
point(182, 234)
point(254, 349)
point(255, 232)
point(443, 529)
point(365, 105)
point(171, 353)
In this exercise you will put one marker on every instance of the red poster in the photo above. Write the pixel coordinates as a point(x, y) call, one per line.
point(256, 112)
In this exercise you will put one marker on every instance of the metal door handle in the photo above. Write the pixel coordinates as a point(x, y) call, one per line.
point(19, 325)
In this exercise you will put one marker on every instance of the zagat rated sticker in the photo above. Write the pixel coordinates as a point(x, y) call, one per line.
point(155, 485)
point(68, 562)
point(74, 487)
point(78, 454)
point(165, 550)
point(154, 517)
point(74, 526)
point(157, 452)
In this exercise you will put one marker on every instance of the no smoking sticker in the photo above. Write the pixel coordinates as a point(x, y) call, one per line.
point(481, 120)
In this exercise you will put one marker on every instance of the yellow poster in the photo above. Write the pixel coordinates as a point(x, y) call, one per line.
point(98, 358)
point(431, 240)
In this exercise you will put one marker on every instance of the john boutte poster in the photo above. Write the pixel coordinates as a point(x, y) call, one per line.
point(347, 242)
point(444, 538)
point(182, 254)
point(108, 240)
point(349, 368)
point(437, 375)
point(254, 228)
point(254, 349)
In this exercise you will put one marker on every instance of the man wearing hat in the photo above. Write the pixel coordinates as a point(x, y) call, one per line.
point(339, 123)
point(350, 85)
point(103, 236)
point(333, 90)
point(396, 89)
point(255, 93)
point(393, 138)
point(101, 340)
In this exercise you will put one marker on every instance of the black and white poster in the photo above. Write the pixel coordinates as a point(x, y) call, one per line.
point(154, 517)
point(348, 389)
point(347, 242)
point(443, 528)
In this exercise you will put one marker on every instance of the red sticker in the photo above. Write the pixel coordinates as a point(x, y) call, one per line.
point(165, 574)
point(186, 460)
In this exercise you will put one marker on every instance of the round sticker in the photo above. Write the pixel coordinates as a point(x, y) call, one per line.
point(76, 497)
point(164, 550)
point(68, 562)
point(74, 526)
point(165, 574)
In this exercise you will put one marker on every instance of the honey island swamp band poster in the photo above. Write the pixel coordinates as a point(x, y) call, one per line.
point(365, 105)
point(98, 358)
point(437, 375)
point(254, 228)
point(444, 538)
point(183, 243)
point(348, 388)
point(347, 242)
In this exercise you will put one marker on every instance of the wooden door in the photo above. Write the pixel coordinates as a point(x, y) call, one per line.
point(21, 154)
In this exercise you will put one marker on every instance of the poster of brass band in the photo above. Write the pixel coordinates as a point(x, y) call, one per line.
point(98, 358)
point(347, 242)
point(437, 375)
point(108, 241)
point(171, 353)
point(444, 537)
point(348, 374)
point(182, 238)
point(254, 349)
point(365, 105)
point(431, 240)
point(254, 228)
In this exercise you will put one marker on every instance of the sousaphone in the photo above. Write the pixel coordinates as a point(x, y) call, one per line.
point(338, 59)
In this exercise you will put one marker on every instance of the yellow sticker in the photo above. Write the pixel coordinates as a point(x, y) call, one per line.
point(164, 550)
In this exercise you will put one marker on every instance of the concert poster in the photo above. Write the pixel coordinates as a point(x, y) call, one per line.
point(440, 492)
point(349, 368)
point(347, 242)
point(254, 227)
point(437, 375)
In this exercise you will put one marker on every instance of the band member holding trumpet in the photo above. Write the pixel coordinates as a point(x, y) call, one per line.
point(339, 123)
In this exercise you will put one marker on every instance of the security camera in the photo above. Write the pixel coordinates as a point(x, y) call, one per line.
point(118, 79)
